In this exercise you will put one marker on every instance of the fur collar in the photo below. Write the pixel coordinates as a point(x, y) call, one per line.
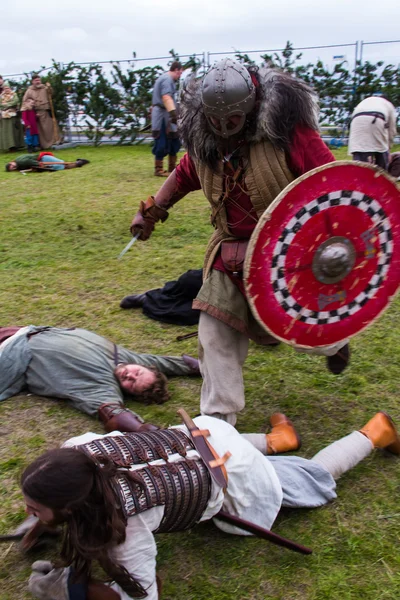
point(282, 103)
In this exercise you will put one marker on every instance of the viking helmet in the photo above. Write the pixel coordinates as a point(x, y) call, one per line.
point(227, 91)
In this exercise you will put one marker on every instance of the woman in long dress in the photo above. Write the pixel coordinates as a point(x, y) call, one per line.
point(11, 133)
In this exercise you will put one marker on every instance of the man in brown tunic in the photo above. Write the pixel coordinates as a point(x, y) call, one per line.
point(40, 94)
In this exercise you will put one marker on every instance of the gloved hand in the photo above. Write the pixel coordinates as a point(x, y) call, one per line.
point(173, 116)
point(47, 583)
point(147, 216)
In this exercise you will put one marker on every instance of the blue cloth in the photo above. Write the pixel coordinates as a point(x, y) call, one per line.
point(305, 483)
point(31, 140)
point(163, 145)
point(53, 159)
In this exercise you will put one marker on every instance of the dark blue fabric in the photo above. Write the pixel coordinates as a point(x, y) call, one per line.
point(76, 591)
point(164, 145)
point(381, 159)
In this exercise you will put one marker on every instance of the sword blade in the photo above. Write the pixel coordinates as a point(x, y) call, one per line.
point(129, 245)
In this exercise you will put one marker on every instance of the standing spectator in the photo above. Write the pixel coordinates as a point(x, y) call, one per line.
point(11, 135)
point(40, 94)
point(31, 126)
point(1, 83)
point(164, 120)
point(372, 130)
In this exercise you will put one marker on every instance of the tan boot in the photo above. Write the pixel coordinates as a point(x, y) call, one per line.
point(171, 163)
point(381, 431)
point(159, 169)
point(283, 436)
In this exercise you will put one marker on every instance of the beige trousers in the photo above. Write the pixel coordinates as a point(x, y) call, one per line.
point(222, 352)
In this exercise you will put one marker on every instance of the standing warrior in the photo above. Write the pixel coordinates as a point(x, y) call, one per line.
point(40, 94)
point(248, 133)
point(164, 120)
point(115, 492)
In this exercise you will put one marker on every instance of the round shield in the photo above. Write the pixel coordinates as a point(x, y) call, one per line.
point(324, 259)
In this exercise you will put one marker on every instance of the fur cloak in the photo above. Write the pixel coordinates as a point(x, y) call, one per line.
point(282, 103)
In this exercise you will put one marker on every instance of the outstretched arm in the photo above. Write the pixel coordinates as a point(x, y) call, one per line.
point(182, 180)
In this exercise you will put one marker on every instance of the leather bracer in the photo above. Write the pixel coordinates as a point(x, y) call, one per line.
point(155, 208)
point(150, 209)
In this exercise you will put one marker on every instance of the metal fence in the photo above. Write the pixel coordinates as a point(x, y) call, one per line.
point(360, 52)
point(354, 53)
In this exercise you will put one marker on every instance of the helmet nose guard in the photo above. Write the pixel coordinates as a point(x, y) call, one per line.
point(227, 91)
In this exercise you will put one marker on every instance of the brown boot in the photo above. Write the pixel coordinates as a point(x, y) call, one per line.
point(283, 436)
point(381, 431)
point(171, 163)
point(116, 417)
point(159, 169)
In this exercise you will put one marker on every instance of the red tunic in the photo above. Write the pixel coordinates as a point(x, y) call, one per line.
point(307, 151)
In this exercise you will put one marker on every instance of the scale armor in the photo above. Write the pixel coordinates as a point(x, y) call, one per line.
point(183, 487)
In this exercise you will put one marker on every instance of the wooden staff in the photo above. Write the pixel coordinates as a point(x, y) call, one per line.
point(56, 131)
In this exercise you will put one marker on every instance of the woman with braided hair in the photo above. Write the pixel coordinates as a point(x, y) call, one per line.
point(114, 492)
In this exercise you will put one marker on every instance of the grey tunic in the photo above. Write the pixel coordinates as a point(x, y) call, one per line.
point(72, 364)
point(164, 85)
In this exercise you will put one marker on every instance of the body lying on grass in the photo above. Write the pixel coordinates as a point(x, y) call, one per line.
point(90, 371)
point(43, 161)
point(114, 492)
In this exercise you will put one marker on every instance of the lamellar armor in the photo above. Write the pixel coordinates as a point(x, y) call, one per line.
point(182, 486)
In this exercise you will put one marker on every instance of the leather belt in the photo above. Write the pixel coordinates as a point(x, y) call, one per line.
point(371, 113)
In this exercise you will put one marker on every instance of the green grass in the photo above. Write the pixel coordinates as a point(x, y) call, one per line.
point(61, 234)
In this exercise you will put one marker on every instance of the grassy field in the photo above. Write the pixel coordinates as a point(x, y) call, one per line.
point(61, 234)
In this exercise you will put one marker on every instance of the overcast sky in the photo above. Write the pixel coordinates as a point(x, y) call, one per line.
point(31, 34)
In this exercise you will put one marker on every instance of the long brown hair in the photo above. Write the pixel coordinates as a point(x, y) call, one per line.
point(79, 487)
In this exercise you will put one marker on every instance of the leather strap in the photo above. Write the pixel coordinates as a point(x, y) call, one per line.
point(370, 113)
point(213, 462)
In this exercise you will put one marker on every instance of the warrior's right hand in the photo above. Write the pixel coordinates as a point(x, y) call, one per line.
point(147, 216)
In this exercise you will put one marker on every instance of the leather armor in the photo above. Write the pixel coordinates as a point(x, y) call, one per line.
point(183, 487)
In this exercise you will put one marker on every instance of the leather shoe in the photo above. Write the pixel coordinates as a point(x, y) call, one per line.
point(283, 436)
point(382, 432)
point(134, 301)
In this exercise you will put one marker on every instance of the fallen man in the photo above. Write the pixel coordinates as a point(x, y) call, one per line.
point(43, 161)
point(114, 492)
point(90, 371)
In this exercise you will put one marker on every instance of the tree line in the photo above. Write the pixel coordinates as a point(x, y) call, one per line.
point(118, 101)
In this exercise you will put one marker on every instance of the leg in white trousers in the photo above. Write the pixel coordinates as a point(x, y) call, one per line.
point(341, 456)
point(222, 352)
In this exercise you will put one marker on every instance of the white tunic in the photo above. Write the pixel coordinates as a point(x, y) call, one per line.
point(368, 134)
point(253, 493)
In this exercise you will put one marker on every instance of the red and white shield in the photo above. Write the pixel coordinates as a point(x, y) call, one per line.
point(324, 259)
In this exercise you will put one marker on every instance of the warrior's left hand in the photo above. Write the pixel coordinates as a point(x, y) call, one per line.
point(47, 583)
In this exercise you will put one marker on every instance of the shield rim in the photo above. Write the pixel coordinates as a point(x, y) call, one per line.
point(266, 217)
